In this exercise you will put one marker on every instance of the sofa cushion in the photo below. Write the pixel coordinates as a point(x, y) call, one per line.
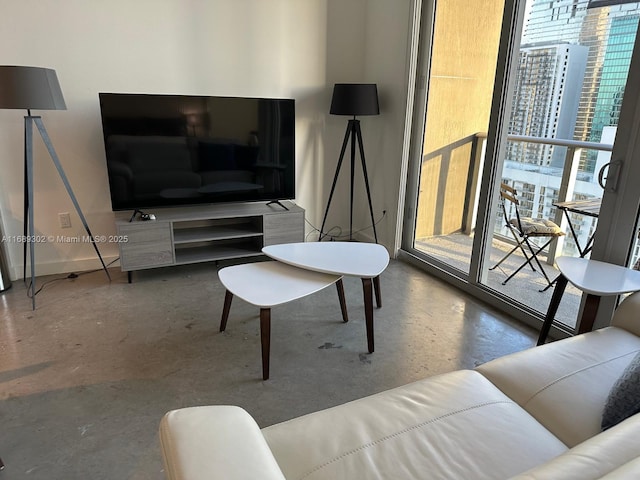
point(565, 384)
point(625, 472)
point(456, 425)
point(598, 456)
point(624, 397)
point(537, 226)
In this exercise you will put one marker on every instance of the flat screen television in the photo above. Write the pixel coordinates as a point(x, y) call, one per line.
point(171, 150)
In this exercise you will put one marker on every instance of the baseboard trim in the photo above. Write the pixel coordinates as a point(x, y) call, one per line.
point(63, 266)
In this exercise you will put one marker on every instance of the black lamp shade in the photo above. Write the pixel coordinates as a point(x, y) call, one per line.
point(30, 88)
point(355, 99)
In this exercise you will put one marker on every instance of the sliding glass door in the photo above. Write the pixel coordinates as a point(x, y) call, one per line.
point(545, 109)
point(458, 80)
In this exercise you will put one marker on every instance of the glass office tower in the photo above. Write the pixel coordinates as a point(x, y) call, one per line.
point(607, 33)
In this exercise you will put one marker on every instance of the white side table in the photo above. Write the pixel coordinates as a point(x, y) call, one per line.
point(267, 284)
point(596, 279)
point(352, 259)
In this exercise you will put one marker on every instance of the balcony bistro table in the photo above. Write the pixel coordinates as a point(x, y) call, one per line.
point(351, 259)
point(596, 279)
point(590, 208)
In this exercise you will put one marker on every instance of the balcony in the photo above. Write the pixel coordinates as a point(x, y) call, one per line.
point(445, 223)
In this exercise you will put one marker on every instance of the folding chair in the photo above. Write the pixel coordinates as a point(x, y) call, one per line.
point(523, 230)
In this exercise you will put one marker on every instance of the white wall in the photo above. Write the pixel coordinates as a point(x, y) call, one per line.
point(368, 42)
point(286, 48)
point(387, 62)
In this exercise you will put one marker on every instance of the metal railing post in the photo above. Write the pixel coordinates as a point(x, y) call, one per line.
point(567, 187)
point(478, 149)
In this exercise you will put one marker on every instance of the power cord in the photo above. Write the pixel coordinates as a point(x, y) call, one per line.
point(339, 235)
point(70, 276)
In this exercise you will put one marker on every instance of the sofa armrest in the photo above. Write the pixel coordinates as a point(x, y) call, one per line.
point(215, 442)
point(565, 384)
point(627, 315)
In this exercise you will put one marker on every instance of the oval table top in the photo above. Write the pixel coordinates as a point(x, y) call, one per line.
point(598, 278)
point(354, 259)
point(267, 284)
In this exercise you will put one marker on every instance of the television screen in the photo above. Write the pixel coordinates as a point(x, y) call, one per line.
point(170, 150)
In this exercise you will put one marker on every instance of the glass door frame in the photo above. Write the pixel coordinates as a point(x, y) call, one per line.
point(618, 220)
point(512, 22)
point(617, 207)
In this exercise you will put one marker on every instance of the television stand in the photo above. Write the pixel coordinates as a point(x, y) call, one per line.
point(277, 202)
point(207, 233)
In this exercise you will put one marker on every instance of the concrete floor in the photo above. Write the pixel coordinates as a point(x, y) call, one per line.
point(86, 377)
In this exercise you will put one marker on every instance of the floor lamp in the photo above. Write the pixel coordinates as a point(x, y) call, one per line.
point(353, 99)
point(28, 88)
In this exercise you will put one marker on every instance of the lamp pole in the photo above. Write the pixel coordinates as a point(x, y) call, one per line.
point(354, 134)
point(28, 88)
point(352, 99)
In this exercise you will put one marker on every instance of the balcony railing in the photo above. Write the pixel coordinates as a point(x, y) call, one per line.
point(561, 179)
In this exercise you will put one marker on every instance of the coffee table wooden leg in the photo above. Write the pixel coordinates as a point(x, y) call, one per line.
point(265, 337)
point(343, 303)
point(376, 287)
point(591, 304)
point(558, 291)
point(368, 311)
point(228, 297)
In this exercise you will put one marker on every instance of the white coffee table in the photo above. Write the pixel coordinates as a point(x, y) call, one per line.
point(353, 259)
point(267, 284)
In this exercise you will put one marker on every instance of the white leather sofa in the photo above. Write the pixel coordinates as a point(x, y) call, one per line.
point(535, 414)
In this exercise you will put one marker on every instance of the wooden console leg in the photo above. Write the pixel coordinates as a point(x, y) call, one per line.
point(228, 297)
point(368, 311)
point(343, 303)
point(376, 287)
point(265, 337)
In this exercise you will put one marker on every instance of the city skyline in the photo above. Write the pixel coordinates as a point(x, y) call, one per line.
point(552, 99)
point(608, 34)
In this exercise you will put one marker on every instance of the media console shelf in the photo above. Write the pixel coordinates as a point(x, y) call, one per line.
point(180, 236)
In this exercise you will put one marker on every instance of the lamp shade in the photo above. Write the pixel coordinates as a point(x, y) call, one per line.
point(30, 88)
point(355, 99)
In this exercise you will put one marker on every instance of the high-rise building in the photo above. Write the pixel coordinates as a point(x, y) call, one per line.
point(608, 34)
point(546, 100)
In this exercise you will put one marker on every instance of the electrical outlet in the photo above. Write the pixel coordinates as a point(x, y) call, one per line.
point(65, 220)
